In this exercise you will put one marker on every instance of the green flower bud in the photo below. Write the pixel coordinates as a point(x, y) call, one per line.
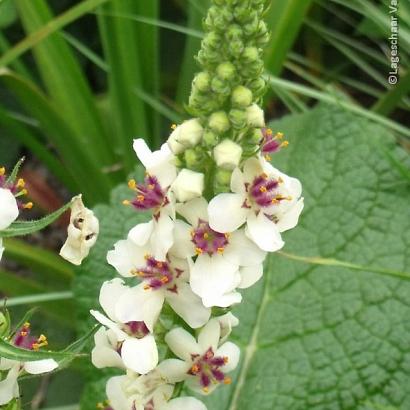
point(222, 180)
point(220, 86)
point(219, 122)
point(250, 55)
point(258, 87)
point(241, 97)
point(192, 158)
point(238, 118)
point(251, 28)
point(210, 139)
point(255, 136)
point(241, 13)
point(227, 154)
point(236, 48)
point(211, 40)
point(226, 71)
point(202, 81)
point(4, 325)
point(234, 32)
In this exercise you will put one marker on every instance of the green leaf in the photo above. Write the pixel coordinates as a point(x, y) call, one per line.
point(327, 333)
point(21, 228)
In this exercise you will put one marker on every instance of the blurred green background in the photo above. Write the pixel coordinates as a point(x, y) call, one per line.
point(80, 79)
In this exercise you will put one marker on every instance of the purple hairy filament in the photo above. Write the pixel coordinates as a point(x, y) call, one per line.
point(23, 339)
point(271, 143)
point(137, 329)
point(149, 195)
point(206, 240)
point(16, 188)
point(157, 274)
point(208, 369)
point(264, 191)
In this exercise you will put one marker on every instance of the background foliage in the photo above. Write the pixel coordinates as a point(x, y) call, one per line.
point(76, 88)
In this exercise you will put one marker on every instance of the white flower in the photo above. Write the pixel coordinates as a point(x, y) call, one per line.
point(188, 185)
point(188, 134)
point(151, 391)
point(255, 116)
point(135, 344)
point(224, 261)
point(82, 233)
point(226, 323)
point(227, 154)
point(266, 199)
point(9, 388)
point(165, 280)
point(206, 362)
point(8, 212)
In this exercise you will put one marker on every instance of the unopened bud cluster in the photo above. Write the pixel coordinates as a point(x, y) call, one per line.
point(226, 94)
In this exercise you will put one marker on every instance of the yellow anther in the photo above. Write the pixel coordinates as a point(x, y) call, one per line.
point(173, 126)
point(206, 235)
point(21, 183)
point(199, 251)
point(264, 176)
point(28, 205)
point(147, 287)
point(23, 333)
point(221, 249)
point(42, 338)
point(192, 233)
point(159, 265)
point(284, 144)
point(23, 192)
point(267, 157)
point(147, 256)
point(280, 180)
point(227, 380)
point(279, 135)
point(100, 406)
point(2, 171)
point(268, 131)
point(263, 189)
point(226, 359)
point(151, 186)
point(195, 369)
point(140, 198)
point(165, 279)
point(126, 202)
point(227, 235)
point(132, 184)
point(205, 389)
point(27, 324)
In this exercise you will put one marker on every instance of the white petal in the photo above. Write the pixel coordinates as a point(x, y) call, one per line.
point(290, 219)
point(225, 300)
point(110, 292)
point(109, 323)
point(232, 352)
point(162, 238)
point(8, 208)
point(193, 384)
point(188, 305)
point(183, 246)
point(185, 403)
point(126, 256)
point(194, 210)
point(40, 366)
point(141, 233)
point(226, 213)
point(213, 276)
point(1, 248)
point(140, 355)
point(242, 251)
point(174, 370)
point(115, 393)
point(143, 152)
point(9, 387)
point(252, 168)
point(104, 353)
point(264, 233)
point(226, 323)
point(182, 343)
point(250, 275)
point(139, 304)
point(188, 185)
point(209, 336)
point(237, 182)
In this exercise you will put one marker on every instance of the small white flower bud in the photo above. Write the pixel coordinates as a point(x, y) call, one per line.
point(188, 185)
point(255, 116)
point(219, 122)
point(188, 134)
point(227, 154)
point(241, 97)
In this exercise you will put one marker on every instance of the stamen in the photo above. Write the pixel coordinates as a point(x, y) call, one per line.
point(227, 380)
point(126, 202)
point(2, 171)
point(173, 126)
point(28, 205)
point(132, 184)
point(21, 183)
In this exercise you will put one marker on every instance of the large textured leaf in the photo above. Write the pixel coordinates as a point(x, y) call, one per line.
point(321, 337)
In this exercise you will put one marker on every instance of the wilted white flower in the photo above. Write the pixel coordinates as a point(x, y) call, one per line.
point(266, 199)
point(186, 135)
point(188, 185)
point(224, 261)
point(161, 281)
point(134, 342)
point(255, 116)
point(227, 154)
point(82, 232)
point(206, 362)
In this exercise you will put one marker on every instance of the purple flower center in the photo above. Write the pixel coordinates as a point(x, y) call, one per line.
point(23, 339)
point(264, 191)
point(206, 240)
point(271, 143)
point(149, 195)
point(158, 274)
point(16, 188)
point(136, 329)
point(208, 369)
